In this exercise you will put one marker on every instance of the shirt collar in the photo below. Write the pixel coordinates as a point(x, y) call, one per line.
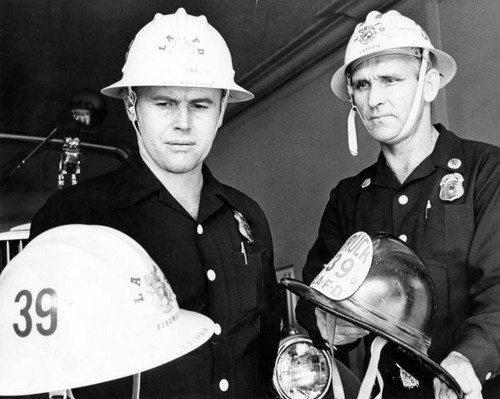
point(447, 154)
point(135, 181)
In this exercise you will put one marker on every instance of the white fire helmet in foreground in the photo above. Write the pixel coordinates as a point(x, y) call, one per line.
point(85, 304)
point(379, 284)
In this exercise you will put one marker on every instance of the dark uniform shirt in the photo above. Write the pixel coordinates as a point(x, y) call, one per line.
point(211, 266)
point(453, 227)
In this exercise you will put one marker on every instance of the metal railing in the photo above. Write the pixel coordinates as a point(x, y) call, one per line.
point(12, 242)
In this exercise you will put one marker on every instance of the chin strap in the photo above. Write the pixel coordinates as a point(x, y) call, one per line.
point(372, 371)
point(352, 138)
point(137, 386)
point(412, 116)
point(337, 387)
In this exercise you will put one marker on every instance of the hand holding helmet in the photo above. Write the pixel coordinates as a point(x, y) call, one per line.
point(378, 283)
point(344, 333)
point(461, 369)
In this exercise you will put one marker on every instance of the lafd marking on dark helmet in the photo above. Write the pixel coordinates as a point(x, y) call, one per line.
point(345, 273)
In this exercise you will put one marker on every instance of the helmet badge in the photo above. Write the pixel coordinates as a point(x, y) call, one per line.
point(159, 292)
point(367, 33)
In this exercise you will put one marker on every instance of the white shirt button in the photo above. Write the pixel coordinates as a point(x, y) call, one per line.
point(223, 385)
point(403, 199)
point(403, 237)
point(488, 376)
point(199, 229)
point(217, 329)
point(211, 275)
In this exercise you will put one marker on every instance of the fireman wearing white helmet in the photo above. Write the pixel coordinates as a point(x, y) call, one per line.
point(211, 241)
point(435, 191)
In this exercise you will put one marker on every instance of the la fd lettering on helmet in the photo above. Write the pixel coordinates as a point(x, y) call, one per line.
point(179, 50)
point(388, 33)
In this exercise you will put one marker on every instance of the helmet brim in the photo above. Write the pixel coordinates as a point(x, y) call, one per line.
point(441, 61)
point(32, 374)
point(236, 92)
point(380, 326)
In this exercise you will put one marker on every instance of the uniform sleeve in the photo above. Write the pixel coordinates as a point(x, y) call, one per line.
point(327, 244)
point(479, 336)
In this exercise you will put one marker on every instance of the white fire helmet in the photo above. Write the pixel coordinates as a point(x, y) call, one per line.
point(179, 50)
point(389, 33)
point(85, 304)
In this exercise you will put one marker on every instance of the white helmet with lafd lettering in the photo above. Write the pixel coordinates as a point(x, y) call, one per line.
point(83, 304)
point(389, 33)
point(179, 50)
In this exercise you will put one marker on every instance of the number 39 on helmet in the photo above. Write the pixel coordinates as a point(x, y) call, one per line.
point(86, 304)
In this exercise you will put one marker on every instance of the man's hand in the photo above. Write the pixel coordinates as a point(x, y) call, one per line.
point(345, 332)
point(461, 369)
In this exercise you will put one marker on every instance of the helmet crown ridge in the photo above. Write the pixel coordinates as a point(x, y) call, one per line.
point(179, 50)
point(389, 32)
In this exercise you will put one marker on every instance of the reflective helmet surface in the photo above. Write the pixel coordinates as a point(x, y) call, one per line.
point(378, 283)
point(389, 32)
point(179, 50)
point(85, 304)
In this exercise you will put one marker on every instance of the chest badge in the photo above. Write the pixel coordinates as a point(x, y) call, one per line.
point(451, 187)
point(244, 227)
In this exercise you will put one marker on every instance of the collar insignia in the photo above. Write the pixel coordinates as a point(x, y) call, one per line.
point(454, 163)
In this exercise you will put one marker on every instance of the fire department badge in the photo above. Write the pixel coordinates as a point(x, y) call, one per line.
point(367, 34)
point(451, 187)
point(244, 227)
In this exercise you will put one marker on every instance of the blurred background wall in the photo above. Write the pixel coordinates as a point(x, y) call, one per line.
point(290, 149)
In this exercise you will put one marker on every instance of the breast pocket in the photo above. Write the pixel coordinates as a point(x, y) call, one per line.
point(444, 235)
point(249, 277)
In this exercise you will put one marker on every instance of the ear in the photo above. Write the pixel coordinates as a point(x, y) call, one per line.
point(129, 103)
point(431, 85)
point(223, 106)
